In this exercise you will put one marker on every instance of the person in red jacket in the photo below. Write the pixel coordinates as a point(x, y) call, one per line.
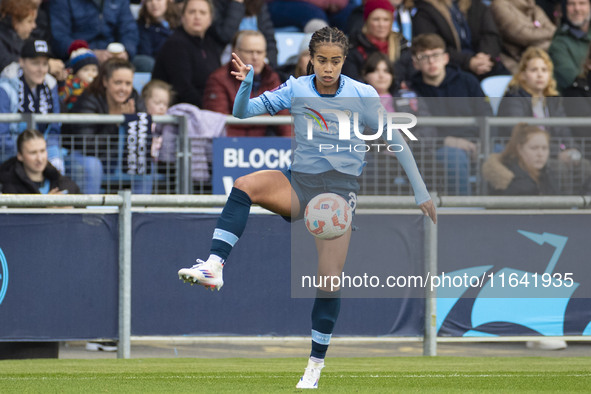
point(221, 86)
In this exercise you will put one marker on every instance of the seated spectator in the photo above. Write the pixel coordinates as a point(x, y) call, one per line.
point(403, 12)
point(580, 103)
point(469, 31)
point(377, 36)
point(110, 93)
point(221, 87)
point(571, 42)
point(27, 87)
point(438, 79)
point(97, 23)
point(156, 22)
point(191, 53)
point(157, 96)
point(310, 15)
point(30, 172)
point(250, 15)
point(532, 93)
point(17, 21)
point(522, 24)
point(522, 168)
point(378, 72)
point(83, 66)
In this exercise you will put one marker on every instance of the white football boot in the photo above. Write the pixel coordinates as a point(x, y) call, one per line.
point(205, 273)
point(311, 376)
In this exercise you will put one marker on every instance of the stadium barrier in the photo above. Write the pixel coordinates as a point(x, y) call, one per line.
point(382, 175)
point(126, 202)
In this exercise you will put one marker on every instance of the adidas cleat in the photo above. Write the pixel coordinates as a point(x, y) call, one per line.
point(205, 273)
point(311, 376)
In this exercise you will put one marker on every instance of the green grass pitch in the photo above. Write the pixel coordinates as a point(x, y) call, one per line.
point(342, 375)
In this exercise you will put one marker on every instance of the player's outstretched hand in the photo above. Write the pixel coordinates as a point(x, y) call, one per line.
point(428, 209)
point(241, 68)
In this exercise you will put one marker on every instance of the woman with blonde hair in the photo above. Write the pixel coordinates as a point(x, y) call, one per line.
point(522, 168)
point(532, 92)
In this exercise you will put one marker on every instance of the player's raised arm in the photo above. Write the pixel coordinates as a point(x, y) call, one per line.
point(244, 106)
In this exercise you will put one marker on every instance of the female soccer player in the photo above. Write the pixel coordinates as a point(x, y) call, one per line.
point(313, 172)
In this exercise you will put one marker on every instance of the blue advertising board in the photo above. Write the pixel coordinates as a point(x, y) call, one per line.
point(59, 276)
point(234, 157)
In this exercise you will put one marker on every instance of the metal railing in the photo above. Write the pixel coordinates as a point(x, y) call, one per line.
point(383, 175)
point(125, 201)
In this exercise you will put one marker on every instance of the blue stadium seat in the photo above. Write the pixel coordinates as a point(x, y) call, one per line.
point(494, 88)
point(288, 45)
point(140, 79)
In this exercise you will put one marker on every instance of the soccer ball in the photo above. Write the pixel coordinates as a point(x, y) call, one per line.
point(328, 216)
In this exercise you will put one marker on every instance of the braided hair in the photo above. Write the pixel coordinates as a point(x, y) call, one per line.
point(326, 35)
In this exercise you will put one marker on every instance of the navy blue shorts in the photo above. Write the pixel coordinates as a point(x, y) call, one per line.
point(308, 186)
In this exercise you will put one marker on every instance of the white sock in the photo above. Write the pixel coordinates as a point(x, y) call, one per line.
point(316, 361)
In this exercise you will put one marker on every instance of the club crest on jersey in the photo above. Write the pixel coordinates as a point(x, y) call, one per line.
point(284, 84)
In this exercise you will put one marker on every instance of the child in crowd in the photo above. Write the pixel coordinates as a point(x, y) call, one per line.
point(156, 21)
point(378, 72)
point(158, 96)
point(84, 68)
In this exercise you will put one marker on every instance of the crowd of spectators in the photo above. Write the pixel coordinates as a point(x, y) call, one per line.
point(80, 56)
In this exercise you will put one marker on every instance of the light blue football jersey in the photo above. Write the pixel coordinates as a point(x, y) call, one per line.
point(321, 144)
point(319, 147)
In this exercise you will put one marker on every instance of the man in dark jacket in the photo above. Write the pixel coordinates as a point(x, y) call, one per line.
point(436, 83)
point(98, 22)
point(30, 172)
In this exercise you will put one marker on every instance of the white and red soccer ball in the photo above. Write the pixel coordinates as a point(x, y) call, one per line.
point(328, 216)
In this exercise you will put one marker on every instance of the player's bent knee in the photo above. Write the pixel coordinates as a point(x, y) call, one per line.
point(245, 184)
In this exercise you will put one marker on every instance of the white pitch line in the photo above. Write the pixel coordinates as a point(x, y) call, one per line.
point(401, 376)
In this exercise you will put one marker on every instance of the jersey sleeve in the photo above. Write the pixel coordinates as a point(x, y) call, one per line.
point(280, 98)
point(407, 161)
point(244, 106)
point(404, 155)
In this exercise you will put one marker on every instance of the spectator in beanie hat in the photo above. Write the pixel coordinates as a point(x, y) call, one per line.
point(84, 67)
point(377, 36)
